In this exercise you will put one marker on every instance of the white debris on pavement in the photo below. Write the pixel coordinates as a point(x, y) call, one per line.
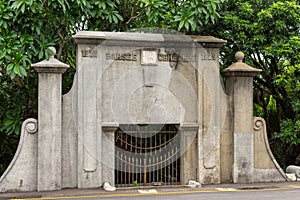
point(153, 191)
point(194, 184)
point(225, 189)
point(108, 187)
point(291, 177)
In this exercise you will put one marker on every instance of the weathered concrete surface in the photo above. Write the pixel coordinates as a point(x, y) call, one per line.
point(50, 123)
point(212, 110)
point(108, 152)
point(69, 142)
point(266, 168)
point(252, 157)
point(136, 82)
point(188, 133)
point(226, 140)
point(240, 82)
point(21, 174)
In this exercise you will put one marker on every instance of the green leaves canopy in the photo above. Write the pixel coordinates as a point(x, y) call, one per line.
point(267, 31)
point(28, 27)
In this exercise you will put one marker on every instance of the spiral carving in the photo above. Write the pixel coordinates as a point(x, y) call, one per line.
point(258, 123)
point(31, 126)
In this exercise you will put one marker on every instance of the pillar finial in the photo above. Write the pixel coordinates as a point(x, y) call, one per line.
point(53, 51)
point(239, 68)
point(239, 56)
point(52, 65)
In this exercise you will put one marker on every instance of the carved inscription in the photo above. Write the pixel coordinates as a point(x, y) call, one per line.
point(174, 57)
point(88, 52)
point(132, 56)
point(148, 56)
point(208, 54)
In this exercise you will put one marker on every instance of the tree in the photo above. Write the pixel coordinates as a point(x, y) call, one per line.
point(29, 27)
point(267, 31)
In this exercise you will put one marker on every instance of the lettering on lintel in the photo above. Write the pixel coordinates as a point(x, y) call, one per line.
point(132, 56)
point(88, 52)
point(208, 54)
point(174, 58)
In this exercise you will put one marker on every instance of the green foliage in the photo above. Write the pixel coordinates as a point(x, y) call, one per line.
point(135, 184)
point(16, 103)
point(267, 31)
point(185, 16)
point(290, 132)
point(8, 145)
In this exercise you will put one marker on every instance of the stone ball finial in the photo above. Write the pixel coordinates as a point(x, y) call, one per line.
point(239, 56)
point(53, 51)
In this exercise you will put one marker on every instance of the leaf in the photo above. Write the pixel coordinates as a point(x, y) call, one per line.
point(180, 25)
point(41, 54)
point(9, 67)
point(17, 70)
point(23, 8)
point(186, 25)
point(193, 24)
point(23, 72)
point(214, 5)
point(38, 30)
point(12, 75)
point(8, 122)
point(18, 5)
point(119, 17)
point(115, 19)
point(62, 5)
point(177, 18)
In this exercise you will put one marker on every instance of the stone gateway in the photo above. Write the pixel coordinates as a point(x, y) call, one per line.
point(144, 109)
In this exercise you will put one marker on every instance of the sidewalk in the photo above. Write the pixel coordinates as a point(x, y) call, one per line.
point(126, 191)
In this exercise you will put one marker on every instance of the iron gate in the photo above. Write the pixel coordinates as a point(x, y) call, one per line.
point(147, 155)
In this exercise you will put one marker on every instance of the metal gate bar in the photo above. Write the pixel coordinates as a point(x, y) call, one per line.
point(147, 155)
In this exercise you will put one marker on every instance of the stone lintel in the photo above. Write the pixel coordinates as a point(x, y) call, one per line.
point(51, 66)
point(145, 39)
point(109, 126)
point(189, 126)
point(240, 69)
point(209, 41)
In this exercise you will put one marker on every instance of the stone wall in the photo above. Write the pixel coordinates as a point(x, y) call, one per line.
point(139, 78)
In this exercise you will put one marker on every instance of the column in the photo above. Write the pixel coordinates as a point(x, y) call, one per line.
point(49, 122)
point(189, 153)
point(108, 152)
point(239, 86)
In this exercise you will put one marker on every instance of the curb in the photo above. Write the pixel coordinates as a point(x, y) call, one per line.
point(99, 192)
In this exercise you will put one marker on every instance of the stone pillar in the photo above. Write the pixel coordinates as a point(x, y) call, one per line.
point(108, 152)
point(239, 86)
point(189, 154)
point(49, 122)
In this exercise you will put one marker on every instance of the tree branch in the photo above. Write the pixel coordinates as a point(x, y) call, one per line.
point(132, 12)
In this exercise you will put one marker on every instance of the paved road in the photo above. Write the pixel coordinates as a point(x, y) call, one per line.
point(259, 194)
